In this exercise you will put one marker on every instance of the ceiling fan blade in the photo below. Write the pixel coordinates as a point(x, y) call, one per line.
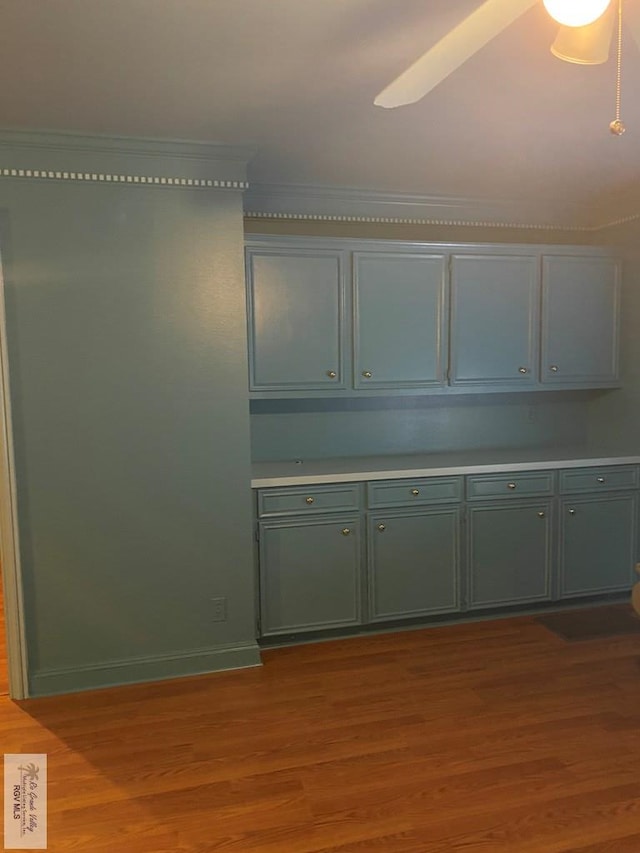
point(587, 45)
point(631, 19)
point(453, 50)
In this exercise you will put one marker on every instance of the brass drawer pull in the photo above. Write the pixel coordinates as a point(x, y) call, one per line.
point(599, 479)
point(511, 486)
point(382, 527)
point(367, 374)
point(415, 491)
point(572, 512)
point(541, 514)
point(309, 500)
point(331, 374)
point(346, 531)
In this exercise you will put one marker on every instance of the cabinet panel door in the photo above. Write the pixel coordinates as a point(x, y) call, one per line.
point(414, 563)
point(296, 311)
point(494, 318)
point(509, 553)
point(580, 317)
point(309, 574)
point(597, 544)
point(399, 320)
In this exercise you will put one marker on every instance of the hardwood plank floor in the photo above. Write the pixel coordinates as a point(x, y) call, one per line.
point(493, 737)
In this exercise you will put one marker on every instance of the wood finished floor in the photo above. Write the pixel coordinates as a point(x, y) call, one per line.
point(493, 737)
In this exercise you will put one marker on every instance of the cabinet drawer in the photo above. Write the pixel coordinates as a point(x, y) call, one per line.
point(414, 492)
point(599, 479)
point(308, 499)
point(519, 485)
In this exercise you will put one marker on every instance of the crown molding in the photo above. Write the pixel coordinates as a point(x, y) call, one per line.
point(337, 204)
point(616, 222)
point(123, 160)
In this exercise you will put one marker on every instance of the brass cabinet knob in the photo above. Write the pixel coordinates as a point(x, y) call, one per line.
point(346, 531)
point(599, 479)
point(523, 370)
point(541, 514)
point(572, 512)
point(511, 486)
point(367, 374)
point(309, 500)
point(554, 368)
point(382, 527)
point(331, 374)
point(415, 491)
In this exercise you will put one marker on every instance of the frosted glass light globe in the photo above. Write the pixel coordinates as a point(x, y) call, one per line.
point(576, 13)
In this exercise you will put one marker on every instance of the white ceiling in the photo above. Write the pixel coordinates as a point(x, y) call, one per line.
point(297, 79)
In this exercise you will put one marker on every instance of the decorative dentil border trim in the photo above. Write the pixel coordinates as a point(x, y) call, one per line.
point(396, 220)
point(217, 183)
point(147, 180)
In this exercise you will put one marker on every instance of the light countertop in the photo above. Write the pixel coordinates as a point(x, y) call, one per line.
point(362, 468)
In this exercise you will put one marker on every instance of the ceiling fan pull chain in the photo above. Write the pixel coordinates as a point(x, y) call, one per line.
point(617, 127)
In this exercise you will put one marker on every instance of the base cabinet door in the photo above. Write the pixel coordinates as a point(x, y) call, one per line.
point(309, 574)
point(414, 563)
point(597, 544)
point(509, 553)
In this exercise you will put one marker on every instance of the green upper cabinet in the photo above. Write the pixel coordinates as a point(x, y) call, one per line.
point(494, 320)
point(399, 303)
point(333, 317)
point(580, 318)
point(296, 319)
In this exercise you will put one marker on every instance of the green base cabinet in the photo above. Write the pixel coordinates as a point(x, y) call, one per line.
point(509, 553)
point(597, 544)
point(309, 574)
point(443, 545)
point(414, 563)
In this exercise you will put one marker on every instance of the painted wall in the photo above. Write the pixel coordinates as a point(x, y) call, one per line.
point(311, 429)
point(127, 355)
point(616, 420)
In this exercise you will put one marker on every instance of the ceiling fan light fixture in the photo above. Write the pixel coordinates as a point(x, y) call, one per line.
point(585, 45)
point(576, 13)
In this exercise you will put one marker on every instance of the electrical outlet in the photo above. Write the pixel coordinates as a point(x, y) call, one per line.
point(219, 609)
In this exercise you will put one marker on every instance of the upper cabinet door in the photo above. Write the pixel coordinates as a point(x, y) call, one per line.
point(580, 320)
point(494, 319)
point(296, 319)
point(399, 320)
